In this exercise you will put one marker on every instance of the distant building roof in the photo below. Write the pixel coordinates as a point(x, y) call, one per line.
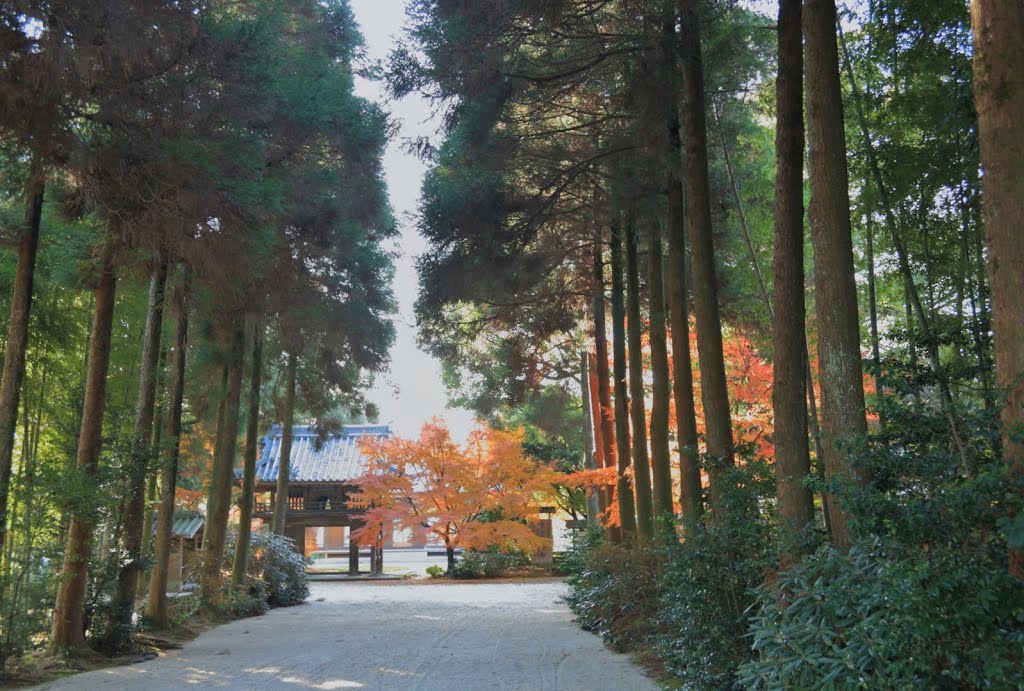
point(186, 524)
point(337, 458)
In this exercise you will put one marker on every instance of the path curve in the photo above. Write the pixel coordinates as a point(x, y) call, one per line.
point(442, 636)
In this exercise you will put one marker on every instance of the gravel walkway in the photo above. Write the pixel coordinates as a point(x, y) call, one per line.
point(443, 636)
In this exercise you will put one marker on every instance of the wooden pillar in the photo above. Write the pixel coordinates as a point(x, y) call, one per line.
point(353, 555)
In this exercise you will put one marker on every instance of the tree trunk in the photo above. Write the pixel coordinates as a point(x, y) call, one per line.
point(627, 507)
point(999, 97)
point(17, 335)
point(133, 505)
point(285, 465)
point(591, 432)
point(603, 376)
point(637, 411)
point(789, 390)
point(450, 553)
point(252, 442)
point(68, 631)
point(690, 492)
point(156, 606)
point(876, 355)
point(842, 388)
point(714, 391)
point(222, 475)
point(661, 464)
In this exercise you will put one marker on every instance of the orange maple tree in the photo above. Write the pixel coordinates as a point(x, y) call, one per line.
point(471, 496)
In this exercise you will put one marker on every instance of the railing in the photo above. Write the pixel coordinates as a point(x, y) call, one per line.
point(297, 505)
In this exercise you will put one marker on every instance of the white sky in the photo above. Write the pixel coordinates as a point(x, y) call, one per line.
point(412, 392)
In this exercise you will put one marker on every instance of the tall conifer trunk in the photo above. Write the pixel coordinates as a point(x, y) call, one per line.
point(156, 605)
point(17, 335)
point(252, 441)
point(627, 506)
point(134, 504)
point(789, 390)
point(603, 376)
point(714, 392)
point(999, 96)
point(835, 293)
point(637, 411)
point(287, 430)
point(68, 625)
point(690, 491)
point(219, 501)
point(661, 465)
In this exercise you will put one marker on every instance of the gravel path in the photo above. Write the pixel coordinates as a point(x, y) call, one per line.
point(392, 636)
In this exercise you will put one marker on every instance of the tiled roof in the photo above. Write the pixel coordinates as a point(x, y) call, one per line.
point(186, 524)
point(337, 459)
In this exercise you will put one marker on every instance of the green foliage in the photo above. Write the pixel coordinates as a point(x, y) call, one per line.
point(709, 583)
point(435, 571)
point(487, 563)
point(886, 617)
point(276, 574)
point(613, 591)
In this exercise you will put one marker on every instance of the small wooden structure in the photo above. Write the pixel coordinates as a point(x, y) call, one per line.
point(186, 541)
point(319, 485)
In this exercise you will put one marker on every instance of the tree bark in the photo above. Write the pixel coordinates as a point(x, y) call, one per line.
point(690, 492)
point(592, 416)
point(999, 97)
point(222, 475)
point(637, 411)
point(627, 507)
point(156, 606)
point(133, 505)
point(287, 429)
point(842, 389)
point(714, 391)
point(17, 335)
point(789, 390)
point(661, 464)
point(252, 441)
point(68, 631)
point(603, 376)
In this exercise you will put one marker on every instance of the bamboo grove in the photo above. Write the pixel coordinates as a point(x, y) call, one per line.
point(835, 197)
point(193, 211)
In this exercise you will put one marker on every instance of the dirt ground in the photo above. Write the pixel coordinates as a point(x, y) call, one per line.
point(399, 635)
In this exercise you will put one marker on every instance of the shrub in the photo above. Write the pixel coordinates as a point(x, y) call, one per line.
point(887, 617)
point(435, 571)
point(276, 575)
point(613, 591)
point(488, 563)
point(710, 581)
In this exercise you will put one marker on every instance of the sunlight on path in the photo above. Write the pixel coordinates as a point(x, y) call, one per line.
point(396, 636)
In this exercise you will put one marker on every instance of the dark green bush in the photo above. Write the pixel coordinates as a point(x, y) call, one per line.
point(276, 575)
point(710, 581)
point(885, 617)
point(613, 591)
point(488, 563)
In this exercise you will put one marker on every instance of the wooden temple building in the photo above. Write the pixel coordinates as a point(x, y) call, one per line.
point(319, 517)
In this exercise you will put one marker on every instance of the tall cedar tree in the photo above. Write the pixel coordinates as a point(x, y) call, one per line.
point(156, 603)
point(690, 492)
point(637, 410)
point(999, 95)
point(141, 453)
point(222, 474)
point(68, 631)
point(714, 392)
point(627, 505)
point(792, 454)
point(835, 293)
point(17, 334)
